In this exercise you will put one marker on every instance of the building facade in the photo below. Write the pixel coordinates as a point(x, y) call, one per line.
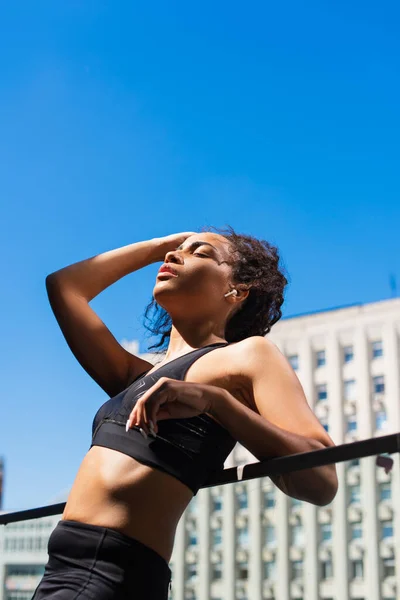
point(249, 541)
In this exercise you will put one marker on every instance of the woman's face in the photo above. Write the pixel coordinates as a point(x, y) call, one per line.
point(195, 277)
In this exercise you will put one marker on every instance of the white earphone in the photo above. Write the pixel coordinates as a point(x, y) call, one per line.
point(232, 293)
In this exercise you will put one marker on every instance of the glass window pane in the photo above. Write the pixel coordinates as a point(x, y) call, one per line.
point(379, 384)
point(294, 361)
point(387, 529)
point(321, 358)
point(322, 391)
point(377, 349)
point(349, 389)
point(381, 420)
point(385, 491)
point(348, 354)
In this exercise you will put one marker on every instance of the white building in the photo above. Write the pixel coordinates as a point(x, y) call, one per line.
point(249, 540)
point(23, 554)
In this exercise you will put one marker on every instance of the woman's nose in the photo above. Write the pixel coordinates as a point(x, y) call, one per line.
point(174, 257)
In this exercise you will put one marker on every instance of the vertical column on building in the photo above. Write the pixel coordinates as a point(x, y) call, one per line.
point(229, 543)
point(178, 580)
point(367, 468)
point(392, 396)
point(204, 544)
point(255, 535)
point(309, 513)
point(282, 539)
point(339, 507)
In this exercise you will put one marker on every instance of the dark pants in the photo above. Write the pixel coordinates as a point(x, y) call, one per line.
point(88, 562)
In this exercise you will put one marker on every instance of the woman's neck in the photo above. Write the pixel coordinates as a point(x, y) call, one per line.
point(185, 340)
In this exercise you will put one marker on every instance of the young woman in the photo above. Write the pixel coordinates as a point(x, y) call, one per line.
point(165, 428)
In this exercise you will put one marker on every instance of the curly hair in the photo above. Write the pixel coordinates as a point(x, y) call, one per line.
point(255, 263)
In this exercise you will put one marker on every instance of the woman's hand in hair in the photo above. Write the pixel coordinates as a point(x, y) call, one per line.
point(171, 242)
point(172, 399)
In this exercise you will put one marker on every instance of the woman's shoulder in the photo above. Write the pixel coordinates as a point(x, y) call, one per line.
point(254, 353)
point(253, 345)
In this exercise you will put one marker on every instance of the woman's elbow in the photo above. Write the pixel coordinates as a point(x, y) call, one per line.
point(330, 488)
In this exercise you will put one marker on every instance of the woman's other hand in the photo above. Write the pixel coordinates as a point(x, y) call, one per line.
point(172, 399)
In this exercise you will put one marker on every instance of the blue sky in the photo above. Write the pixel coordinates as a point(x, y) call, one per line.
point(124, 121)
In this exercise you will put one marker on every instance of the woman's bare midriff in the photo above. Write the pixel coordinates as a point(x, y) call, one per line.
point(114, 490)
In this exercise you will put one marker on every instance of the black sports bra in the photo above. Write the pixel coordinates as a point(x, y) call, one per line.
point(189, 449)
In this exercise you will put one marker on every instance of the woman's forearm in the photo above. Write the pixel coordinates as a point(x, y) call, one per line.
point(265, 440)
point(91, 276)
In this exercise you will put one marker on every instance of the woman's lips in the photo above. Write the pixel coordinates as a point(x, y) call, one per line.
point(167, 271)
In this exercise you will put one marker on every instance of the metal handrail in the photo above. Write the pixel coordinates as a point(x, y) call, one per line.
point(387, 444)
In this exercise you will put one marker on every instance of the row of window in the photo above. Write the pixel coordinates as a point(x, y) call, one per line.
point(269, 496)
point(296, 568)
point(384, 492)
point(297, 534)
point(380, 416)
point(349, 388)
point(347, 355)
point(21, 544)
point(37, 524)
point(24, 570)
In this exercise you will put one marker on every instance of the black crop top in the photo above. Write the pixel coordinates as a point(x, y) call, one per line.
point(189, 449)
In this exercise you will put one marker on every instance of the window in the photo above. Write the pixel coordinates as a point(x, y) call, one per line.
point(217, 536)
point(388, 567)
point(270, 570)
point(322, 392)
point(242, 500)
point(192, 571)
point(242, 570)
point(349, 389)
point(243, 536)
point(24, 570)
point(270, 537)
point(294, 361)
point(385, 491)
point(269, 498)
point(381, 420)
point(324, 422)
point(351, 423)
point(217, 503)
point(21, 544)
point(357, 569)
point(217, 570)
point(321, 358)
point(297, 535)
point(326, 532)
point(193, 538)
point(355, 462)
point(356, 531)
point(348, 354)
point(327, 569)
point(379, 384)
point(387, 529)
point(377, 349)
point(295, 502)
point(297, 569)
point(354, 494)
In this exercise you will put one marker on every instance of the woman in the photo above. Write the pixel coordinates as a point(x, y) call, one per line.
point(165, 428)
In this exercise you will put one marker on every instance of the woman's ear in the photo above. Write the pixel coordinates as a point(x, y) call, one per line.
point(243, 291)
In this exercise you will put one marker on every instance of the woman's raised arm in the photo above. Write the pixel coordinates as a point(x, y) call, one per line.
point(72, 288)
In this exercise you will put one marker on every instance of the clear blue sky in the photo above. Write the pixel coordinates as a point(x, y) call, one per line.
point(123, 121)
